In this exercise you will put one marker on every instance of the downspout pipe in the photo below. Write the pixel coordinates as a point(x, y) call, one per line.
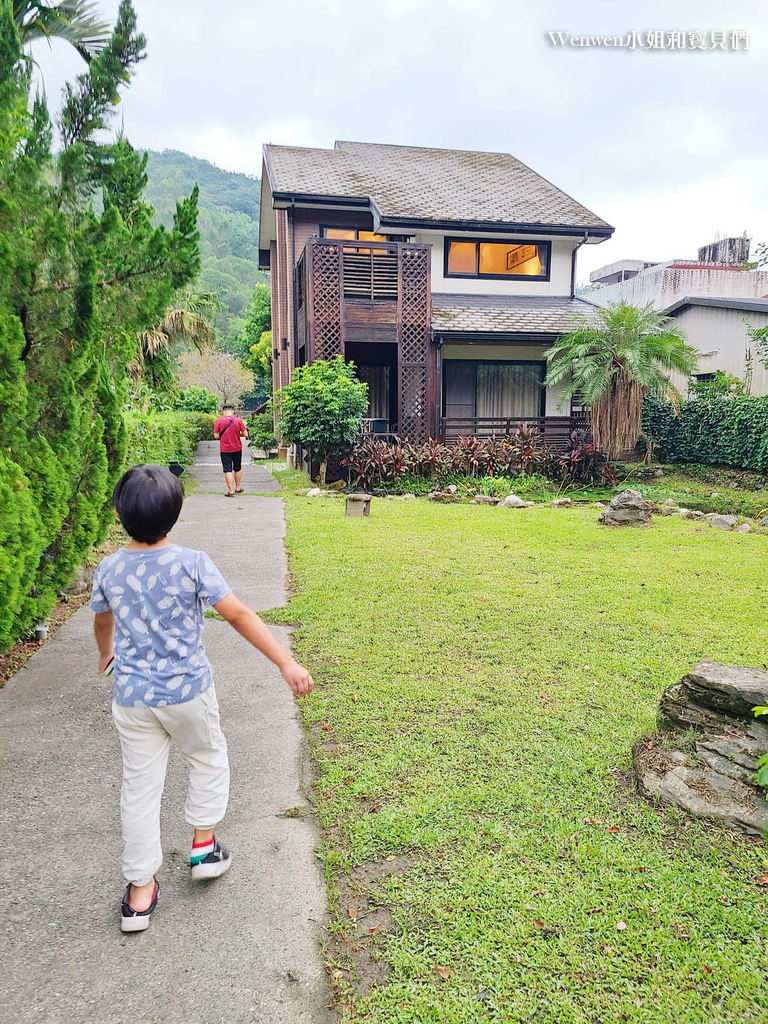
point(573, 262)
point(294, 277)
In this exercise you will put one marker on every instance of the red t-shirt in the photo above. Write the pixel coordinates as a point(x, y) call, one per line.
point(228, 428)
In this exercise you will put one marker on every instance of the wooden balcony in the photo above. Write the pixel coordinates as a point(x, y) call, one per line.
point(372, 294)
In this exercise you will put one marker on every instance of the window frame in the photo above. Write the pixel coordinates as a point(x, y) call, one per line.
point(477, 276)
point(541, 363)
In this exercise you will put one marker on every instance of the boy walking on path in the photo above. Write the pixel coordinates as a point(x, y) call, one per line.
point(149, 602)
point(229, 430)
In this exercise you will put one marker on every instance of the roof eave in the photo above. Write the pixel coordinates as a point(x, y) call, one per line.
point(313, 199)
point(597, 233)
point(543, 337)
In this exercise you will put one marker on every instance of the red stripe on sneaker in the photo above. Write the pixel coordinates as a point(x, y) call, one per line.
point(208, 842)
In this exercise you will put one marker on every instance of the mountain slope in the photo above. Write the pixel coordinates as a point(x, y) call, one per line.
point(228, 224)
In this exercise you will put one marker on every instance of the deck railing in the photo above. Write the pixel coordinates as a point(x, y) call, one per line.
point(554, 430)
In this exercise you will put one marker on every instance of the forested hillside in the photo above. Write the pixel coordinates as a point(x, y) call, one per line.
point(228, 222)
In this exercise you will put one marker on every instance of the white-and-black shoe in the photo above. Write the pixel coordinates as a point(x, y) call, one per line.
point(136, 920)
point(208, 860)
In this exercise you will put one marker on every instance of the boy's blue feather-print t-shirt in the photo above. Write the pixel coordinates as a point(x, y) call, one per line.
point(158, 598)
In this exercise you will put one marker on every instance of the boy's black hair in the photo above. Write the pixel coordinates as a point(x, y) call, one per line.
point(227, 406)
point(148, 500)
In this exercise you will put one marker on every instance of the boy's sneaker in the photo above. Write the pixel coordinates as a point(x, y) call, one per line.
point(208, 860)
point(136, 920)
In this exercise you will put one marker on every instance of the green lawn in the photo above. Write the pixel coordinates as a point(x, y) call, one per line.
point(482, 675)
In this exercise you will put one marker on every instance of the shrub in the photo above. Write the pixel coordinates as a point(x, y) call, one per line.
point(262, 431)
point(322, 407)
point(716, 431)
point(197, 399)
point(374, 461)
point(165, 437)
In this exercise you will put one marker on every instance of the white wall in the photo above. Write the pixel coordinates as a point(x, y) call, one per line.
point(515, 353)
point(559, 276)
point(664, 285)
point(720, 336)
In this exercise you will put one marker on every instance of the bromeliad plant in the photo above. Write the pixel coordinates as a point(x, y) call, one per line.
point(374, 462)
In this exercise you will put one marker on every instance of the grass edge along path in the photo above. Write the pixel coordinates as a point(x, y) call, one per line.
point(482, 675)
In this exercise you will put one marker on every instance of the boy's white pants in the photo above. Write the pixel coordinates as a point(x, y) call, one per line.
point(145, 737)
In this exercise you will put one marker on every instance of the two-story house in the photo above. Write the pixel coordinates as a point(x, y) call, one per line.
point(444, 275)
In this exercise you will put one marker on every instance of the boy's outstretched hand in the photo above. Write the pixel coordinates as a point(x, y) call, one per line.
point(297, 677)
point(248, 624)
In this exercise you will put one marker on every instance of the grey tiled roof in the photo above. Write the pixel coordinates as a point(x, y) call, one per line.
point(509, 314)
point(415, 184)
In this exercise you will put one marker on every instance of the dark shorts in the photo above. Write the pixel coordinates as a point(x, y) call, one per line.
point(231, 461)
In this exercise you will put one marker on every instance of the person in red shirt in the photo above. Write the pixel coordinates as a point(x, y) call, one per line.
point(229, 431)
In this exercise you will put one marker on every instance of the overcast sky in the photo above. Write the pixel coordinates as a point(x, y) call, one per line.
point(668, 146)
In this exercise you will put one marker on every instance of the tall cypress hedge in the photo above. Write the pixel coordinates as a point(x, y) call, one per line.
point(719, 430)
point(82, 271)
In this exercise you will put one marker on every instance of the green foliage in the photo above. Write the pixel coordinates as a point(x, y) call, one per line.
point(759, 338)
point(715, 431)
point(322, 407)
point(612, 364)
point(197, 399)
point(250, 339)
point(228, 225)
point(82, 272)
point(522, 454)
point(721, 384)
point(262, 432)
point(762, 764)
point(166, 437)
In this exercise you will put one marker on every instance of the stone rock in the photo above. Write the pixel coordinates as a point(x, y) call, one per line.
point(512, 501)
point(444, 496)
point(627, 509)
point(723, 522)
point(600, 504)
point(764, 522)
point(530, 504)
point(744, 528)
point(670, 503)
point(452, 488)
point(562, 503)
point(337, 485)
point(485, 499)
point(670, 510)
point(315, 492)
point(408, 496)
point(658, 472)
point(715, 777)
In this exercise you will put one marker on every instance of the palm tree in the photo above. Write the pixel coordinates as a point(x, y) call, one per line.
point(614, 363)
point(76, 21)
point(187, 322)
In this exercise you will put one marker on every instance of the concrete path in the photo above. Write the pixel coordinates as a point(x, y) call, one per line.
point(244, 949)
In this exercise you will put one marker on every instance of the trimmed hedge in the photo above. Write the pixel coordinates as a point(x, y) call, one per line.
point(716, 431)
point(164, 437)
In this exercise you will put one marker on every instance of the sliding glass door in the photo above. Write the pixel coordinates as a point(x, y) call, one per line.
point(491, 390)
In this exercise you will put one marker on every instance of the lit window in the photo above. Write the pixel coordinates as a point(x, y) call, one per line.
point(462, 258)
point(497, 259)
point(352, 234)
